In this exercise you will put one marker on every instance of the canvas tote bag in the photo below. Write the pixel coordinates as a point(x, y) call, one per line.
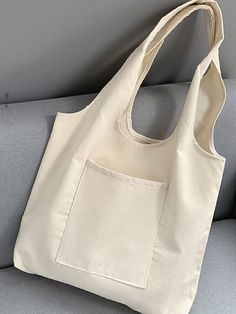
point(120, 214)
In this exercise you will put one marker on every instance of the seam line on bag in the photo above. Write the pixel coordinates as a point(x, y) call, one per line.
point(70, 209)
point(128, 179)
point(157, 235)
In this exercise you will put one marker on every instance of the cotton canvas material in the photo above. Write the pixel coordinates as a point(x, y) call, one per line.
point(122, 215)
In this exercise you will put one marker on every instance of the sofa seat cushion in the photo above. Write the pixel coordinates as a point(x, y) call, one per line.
point(217, 284)
point(24, 293)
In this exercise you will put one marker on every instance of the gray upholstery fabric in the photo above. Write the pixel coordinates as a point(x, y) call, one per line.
point(234, 206)
point(217, 285)
point(25, 129)
point(24, 293)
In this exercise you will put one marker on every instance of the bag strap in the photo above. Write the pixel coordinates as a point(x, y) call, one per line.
point(151, 45)
point(153, 42)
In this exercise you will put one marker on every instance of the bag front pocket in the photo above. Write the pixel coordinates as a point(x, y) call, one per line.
point(112, 226)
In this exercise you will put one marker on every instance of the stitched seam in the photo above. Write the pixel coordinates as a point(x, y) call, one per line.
point(70, 209)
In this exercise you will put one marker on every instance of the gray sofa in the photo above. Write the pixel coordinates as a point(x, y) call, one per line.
point(24, 131)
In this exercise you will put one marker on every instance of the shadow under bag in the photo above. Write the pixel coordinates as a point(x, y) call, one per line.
point(122, 215)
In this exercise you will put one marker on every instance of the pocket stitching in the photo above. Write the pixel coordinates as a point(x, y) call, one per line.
point(116, 175)
point(127, 178)
point(71, 207)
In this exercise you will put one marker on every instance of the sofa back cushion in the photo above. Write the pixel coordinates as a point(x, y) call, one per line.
point(25, 129)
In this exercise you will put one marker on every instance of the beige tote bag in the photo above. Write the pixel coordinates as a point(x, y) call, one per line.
point(122, 215)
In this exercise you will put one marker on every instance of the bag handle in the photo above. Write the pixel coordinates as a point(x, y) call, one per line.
point(151, 45)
